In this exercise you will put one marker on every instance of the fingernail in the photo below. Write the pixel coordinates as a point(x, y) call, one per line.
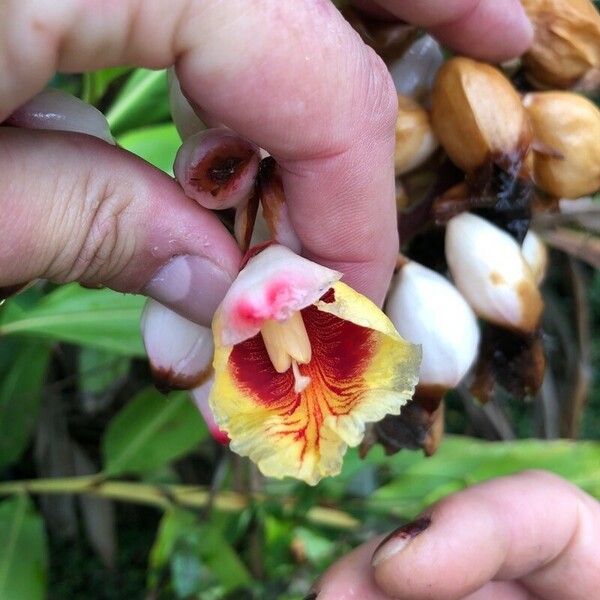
point(192, 286)
point(396, 541)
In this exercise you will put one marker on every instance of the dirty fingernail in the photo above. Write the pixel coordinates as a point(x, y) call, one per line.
point(192, 286)
point(396, 541)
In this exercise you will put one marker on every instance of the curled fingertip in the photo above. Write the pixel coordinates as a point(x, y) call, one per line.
point(217, 168)
point(56, 110)
point(493, 31)
point(399, 539)
point(192, 286)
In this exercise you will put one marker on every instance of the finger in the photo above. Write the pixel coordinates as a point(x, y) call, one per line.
point(351, 577)
point(534, 527)
point(292, 77)
point(58, 111)
point(485, 29)
point(501, 590)
point(113, 221)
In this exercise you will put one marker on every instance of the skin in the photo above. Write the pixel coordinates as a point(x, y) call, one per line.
point(111, 219)
point(525, 537)
point(75, 208)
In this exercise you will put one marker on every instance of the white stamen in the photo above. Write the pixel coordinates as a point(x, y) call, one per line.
point(301, 382)
point(286, 341)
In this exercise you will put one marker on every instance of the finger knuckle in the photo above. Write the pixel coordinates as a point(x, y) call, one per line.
point(102, 247)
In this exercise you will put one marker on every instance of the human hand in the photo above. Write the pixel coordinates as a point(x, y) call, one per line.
point(528, 536)
point(292, 77)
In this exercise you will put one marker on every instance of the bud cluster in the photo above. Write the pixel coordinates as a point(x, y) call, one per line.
point(482, 153)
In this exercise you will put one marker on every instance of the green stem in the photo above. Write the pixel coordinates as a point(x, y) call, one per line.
point(164, 496)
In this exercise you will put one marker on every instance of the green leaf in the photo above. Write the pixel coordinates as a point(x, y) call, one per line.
point(192, 548)
point(96, 83)
point(143, 100)
point(20, 395)
point(99, 370)
point(151, 431)
point(319, 550)
point(157, 144)
point(462, 462)
point(96, 318)
point(23, 552)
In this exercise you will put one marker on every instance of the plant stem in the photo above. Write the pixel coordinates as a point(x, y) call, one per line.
point(165, 496)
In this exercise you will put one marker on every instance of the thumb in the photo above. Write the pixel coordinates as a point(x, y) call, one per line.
point(77, 209)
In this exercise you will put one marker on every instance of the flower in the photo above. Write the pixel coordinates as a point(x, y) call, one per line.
point(566, 156)
point(428, 310)
point(302, 362)
point(489, 270)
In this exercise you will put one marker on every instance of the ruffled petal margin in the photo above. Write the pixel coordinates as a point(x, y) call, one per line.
point(360, 370)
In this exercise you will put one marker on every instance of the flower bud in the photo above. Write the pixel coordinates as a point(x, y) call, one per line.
point(180, 352)
point(415, 141)
point(566, 155)
point(415, 71)
point(477, 116)
point(535, 254)
point(566, 47)
point(427, 309)
point(489, 270)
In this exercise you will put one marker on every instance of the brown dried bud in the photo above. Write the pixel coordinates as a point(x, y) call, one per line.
point(420, 426)
point(511, 360)
point(415, 141)
point(478, 117)
point(566, 47)
point(566, 153)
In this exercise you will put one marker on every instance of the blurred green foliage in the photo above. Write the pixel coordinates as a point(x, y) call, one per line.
point(69, 347)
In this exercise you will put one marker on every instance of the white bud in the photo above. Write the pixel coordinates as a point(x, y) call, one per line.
point(489, 270)
point(415, 71)
point(535, 254)
point(428, 310)
point(180, 352)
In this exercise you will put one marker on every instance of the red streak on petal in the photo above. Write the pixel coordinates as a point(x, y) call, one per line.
point(328, 297)
point(341, 353)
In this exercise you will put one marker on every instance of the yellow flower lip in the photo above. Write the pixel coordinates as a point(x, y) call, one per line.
point(302, 362)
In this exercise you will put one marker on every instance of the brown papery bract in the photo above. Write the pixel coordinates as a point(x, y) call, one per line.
point(566, 47)
point(566, 156)
point(415, 141)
